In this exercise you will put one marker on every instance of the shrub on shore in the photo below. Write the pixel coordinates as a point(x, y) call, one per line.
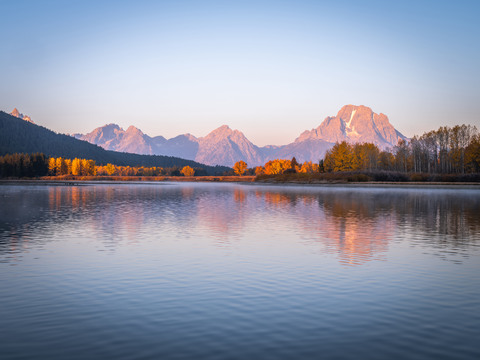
point(364, 176)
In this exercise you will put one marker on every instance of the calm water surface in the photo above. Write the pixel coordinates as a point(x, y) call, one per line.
point(225, 271)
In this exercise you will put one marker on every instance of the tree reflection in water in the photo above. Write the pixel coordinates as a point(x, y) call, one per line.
point(357, 224)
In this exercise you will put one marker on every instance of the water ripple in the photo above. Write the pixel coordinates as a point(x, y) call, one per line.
point(227, 271)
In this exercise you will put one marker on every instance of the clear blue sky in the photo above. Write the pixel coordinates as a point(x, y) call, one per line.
point(268, 68)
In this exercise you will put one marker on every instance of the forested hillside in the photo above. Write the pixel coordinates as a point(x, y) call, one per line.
point(19, 136)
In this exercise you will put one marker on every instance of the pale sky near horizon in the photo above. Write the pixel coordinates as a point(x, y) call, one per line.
point(270, 69)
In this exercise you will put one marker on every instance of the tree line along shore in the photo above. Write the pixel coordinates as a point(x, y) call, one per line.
point(444, 155)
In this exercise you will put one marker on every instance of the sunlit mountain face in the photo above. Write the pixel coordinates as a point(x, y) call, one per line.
point(356, 124)
point(225, 146)
point(19, 115)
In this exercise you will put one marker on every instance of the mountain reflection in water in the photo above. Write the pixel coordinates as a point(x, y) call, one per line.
point(235, 271)
point(356, 224)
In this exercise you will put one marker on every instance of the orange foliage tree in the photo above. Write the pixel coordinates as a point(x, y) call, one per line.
point(259, 170)
point(277, 166)
point(187, 171)
point(240, 167)
point(308, 168)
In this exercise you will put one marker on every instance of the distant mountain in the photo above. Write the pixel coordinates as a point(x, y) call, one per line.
point(17, 114)
point(186, 146)
point(355, 124)
point(112, 137)
point(304, 150)
point(18, 136)
point(222, 146)
point(226, 146)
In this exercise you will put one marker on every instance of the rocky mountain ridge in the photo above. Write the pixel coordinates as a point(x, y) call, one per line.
point(355, 124)
point(224, 146)
point(19, 115)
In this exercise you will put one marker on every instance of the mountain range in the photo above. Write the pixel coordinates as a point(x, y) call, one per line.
point(19, 136)
point(224, 146)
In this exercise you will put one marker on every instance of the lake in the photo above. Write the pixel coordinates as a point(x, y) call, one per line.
point(232, 271)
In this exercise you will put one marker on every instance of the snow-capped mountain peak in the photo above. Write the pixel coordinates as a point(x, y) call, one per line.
point(225, 146)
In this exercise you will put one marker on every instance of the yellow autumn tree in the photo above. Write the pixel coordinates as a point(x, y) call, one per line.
point(273, 167)
point(61, 166)
point(366, 156)
point(259, 170)
point(285, 164)
point(110, 169)
point(88, 167)
point(187, 171)
point(58, 166)
point(472, 154)
point(77, 166)
point(340, 157)
point(52, 166)
point(240, 167)
point(386, 160)
point(277, 166)
point(308, 168)
point(68, 164)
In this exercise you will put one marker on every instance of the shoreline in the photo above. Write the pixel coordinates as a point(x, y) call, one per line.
point(95, 180)
point(379, 184)
point(244, 181)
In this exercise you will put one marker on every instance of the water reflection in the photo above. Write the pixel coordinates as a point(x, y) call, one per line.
point(348, 224)
point(355, 224)
point(219, 271)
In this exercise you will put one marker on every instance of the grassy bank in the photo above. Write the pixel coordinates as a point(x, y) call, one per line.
point(355, 177)
point(293, 178)
point(143, 178)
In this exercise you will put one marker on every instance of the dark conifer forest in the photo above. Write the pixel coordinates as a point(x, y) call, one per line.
point(21, 137)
